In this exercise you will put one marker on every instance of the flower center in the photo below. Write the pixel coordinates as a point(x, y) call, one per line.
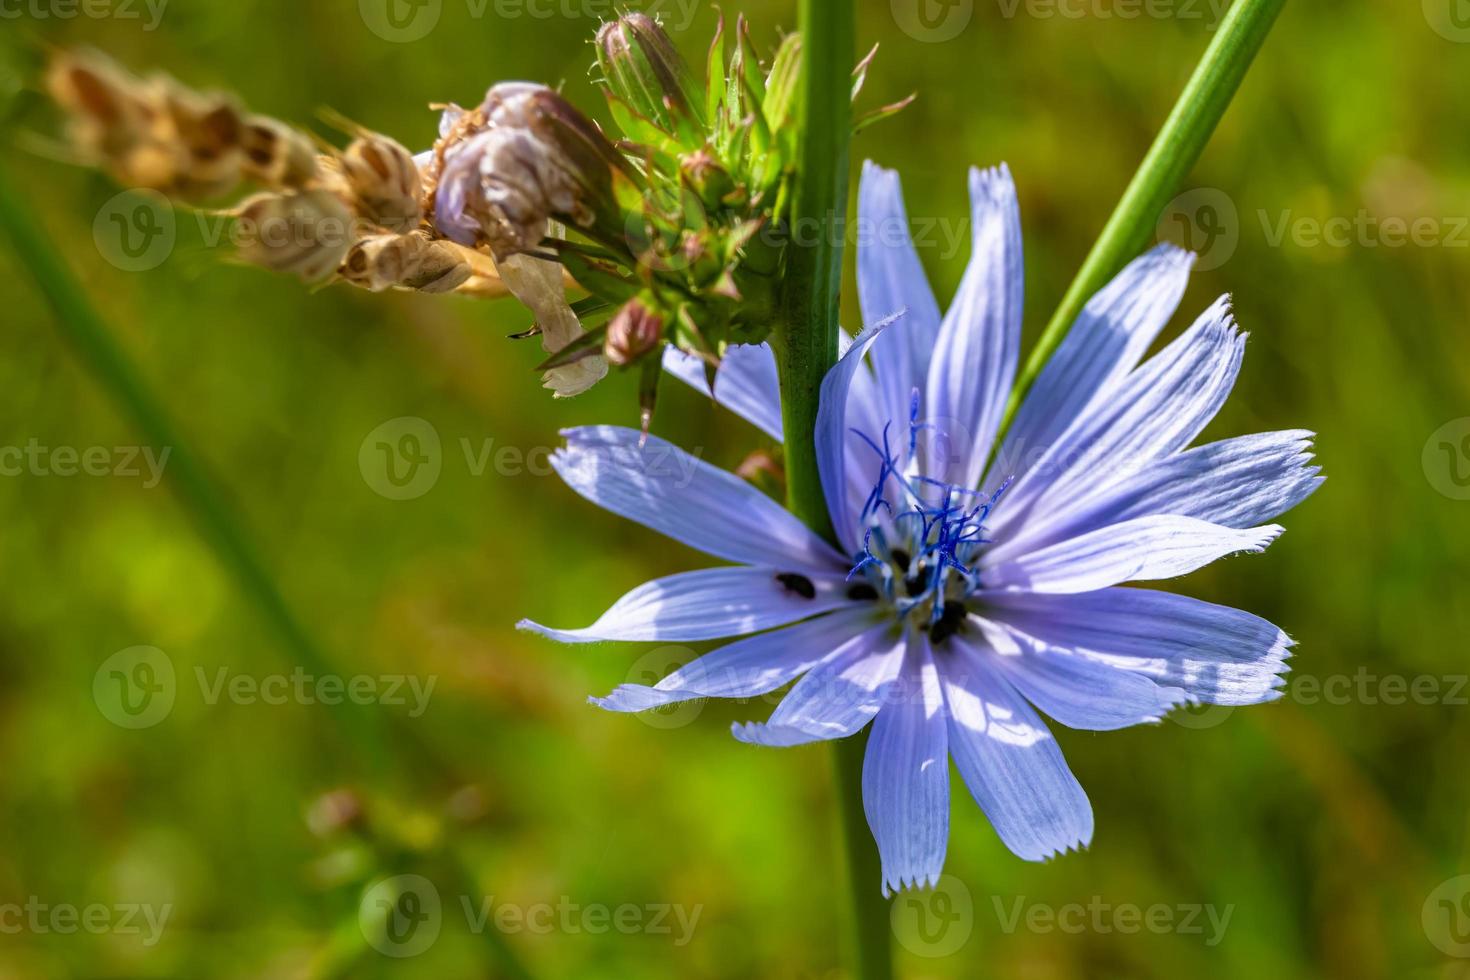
point(922, 538)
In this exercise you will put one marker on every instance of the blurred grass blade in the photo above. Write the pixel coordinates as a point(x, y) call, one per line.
point(1169, 160)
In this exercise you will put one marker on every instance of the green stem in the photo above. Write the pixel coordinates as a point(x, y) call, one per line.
point(806, 348)
point(1173, 154)
point(806, 340)
point(371, 742)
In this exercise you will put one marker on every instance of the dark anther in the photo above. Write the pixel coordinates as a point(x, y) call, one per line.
point(901, 558)
point(916, 584)
point(950, 622)
point(799, 584)
point(862, 592)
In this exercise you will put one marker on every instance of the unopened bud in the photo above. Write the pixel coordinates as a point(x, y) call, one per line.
point(384, 181)
point(644, 70)
point(710, 182)
point(634, 331)
point(306, 234)
point(412, 261)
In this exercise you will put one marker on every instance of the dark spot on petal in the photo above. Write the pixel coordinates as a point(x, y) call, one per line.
point(862, 592)
point(799, 584)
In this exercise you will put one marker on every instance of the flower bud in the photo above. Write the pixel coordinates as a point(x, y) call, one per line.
point(710, 182)
point(644, 70)
point(538, 159)
point(384, 181)
point(412, 261)
point(307, 233)
point(634, 331)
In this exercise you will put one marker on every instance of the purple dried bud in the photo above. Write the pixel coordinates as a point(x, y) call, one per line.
point(633, 332)
point(537, 158)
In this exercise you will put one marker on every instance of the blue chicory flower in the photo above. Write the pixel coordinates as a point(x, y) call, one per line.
point(966, 594)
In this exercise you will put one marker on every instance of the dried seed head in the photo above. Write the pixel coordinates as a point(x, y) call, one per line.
point(305, 233)
point(384, 181)
point(412, 261)
point(633, 332)
point(154, 133)
point(277, 154)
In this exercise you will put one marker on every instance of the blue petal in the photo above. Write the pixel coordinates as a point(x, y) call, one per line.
point(1235, 483)
point(1079, 691)
point(837, 698)
point(705, 605)
point(891, 280)
point(746, 668)
point(1107, 341)
point(1217, 654)
point(906, 776)
point(1143, 549)
point(1010, 761)
point(662, 487)
point(832, 435)
point(745, 383)
point(974, 361)
point(1157, 410)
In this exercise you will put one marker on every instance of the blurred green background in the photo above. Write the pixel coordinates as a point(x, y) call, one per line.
point(1330, 827)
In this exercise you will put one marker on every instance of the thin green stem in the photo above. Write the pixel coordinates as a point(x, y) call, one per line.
point(806, 348)
point(371, 740)
point(1173, 154)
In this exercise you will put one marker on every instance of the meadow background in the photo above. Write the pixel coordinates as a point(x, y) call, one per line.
point(1332, 827)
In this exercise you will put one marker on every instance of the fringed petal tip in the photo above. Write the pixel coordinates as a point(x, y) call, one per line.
point(892, 885)
point(1082, 843)
point(992, 185)
point(776, 736)
point(561, 636)
point(633, 698)
point(1265, 535)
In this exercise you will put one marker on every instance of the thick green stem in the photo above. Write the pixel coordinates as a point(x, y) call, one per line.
point(806, 348)
point(806, 339)
point(1173, 154)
